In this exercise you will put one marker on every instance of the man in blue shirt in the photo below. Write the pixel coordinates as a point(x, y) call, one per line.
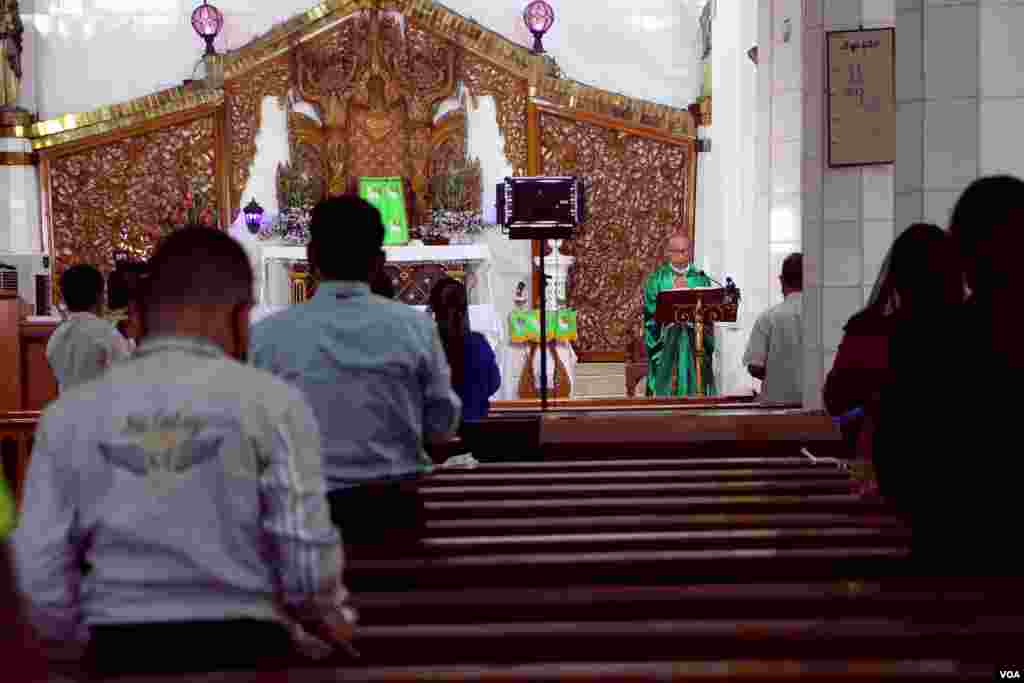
point(373, 369)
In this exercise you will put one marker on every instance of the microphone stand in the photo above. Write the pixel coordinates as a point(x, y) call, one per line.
point(729, 286)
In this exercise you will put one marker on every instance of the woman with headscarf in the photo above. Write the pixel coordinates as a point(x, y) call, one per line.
point(918, 279)
point(475, 375)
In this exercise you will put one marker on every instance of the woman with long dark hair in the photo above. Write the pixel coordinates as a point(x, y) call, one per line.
point(919, 279)
point(947, 444)
point(475, 375)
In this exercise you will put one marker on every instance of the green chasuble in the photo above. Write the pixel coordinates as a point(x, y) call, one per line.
point(671, 345)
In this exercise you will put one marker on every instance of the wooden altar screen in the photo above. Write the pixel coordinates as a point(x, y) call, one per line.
point(641, 186)
point(117, 178)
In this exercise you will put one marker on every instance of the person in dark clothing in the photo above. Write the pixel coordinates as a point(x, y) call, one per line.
point(946, 447)
point(475, 375)
point(919, 274)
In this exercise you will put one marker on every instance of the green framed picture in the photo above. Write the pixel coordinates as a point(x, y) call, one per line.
point(388, 195)
point(524, 325)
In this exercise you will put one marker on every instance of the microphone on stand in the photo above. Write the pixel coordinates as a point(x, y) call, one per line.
point(704, 274)
point(732, 292)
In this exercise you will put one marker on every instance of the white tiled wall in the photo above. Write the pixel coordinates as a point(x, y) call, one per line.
point(847, 222)
point(731, 242)
point(961, 100)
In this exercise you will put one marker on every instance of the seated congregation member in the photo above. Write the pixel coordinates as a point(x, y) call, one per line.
point(374, 371)
point(919, 274)
point(191, 484)
point(475, 374)
point(85, 345)
point(946, 448)
point(775, 350)
point(123, 298)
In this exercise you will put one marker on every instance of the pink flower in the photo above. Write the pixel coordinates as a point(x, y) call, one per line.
point(188, 204)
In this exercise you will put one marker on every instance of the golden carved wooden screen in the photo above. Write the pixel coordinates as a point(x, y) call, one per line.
point(640, 187)
point(122, 192)
point(374, 82)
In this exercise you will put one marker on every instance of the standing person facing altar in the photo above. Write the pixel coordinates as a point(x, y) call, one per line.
point(671, 365)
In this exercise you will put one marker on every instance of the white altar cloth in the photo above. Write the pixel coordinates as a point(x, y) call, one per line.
point(478, 255)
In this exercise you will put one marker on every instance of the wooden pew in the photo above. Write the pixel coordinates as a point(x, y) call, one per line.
point(866, 670)
point(454, 528)
point(17, 434)
point(834, 599)
point(700, 559)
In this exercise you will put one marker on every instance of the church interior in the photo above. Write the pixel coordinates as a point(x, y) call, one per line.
point(711, 532)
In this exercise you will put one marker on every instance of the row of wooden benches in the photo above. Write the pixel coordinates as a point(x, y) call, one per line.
point(745, 560)
point(762, 564)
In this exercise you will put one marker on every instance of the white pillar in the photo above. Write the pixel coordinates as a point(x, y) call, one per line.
point(737, 244)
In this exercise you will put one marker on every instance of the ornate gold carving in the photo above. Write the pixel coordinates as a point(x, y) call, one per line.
point(413, 281)
point(575, 96)
point(373, 81)
point(16, 117)
point(510, 95)
point(144, 111)
point(117, 197)
point(245, 113)
point(107, 119)
point(18, 159)
point(632, 211)
point(701, 111)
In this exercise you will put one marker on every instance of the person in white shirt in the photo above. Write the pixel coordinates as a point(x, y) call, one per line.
point(775, 350)
point(85, 345)
point(192, 487)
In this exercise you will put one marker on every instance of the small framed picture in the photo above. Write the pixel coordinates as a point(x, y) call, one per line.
point(861, 97)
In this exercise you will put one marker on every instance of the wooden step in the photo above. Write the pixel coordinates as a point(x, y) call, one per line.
point(640, 476)
point(666, 505)
point(652, 522)
point(667, 540)
point(514, 642)
point(718, 601)
point(631, 567)
point(860, 670)
point(699, 488)
point(662, 462)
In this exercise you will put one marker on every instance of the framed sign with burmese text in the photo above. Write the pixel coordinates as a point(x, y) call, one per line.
point(861, 97)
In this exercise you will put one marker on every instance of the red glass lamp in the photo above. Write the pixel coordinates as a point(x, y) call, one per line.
point(539, 17)
point(208, 21)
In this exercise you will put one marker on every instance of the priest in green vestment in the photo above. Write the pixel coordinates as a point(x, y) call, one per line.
point(671, 359)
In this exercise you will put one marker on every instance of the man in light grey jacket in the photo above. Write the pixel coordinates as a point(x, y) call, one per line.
point(191, 486)
point(84, 345)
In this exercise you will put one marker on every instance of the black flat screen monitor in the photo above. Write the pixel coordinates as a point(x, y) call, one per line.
point(540, 207)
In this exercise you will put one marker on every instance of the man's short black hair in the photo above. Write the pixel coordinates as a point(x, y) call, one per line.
point(346, 234)
point(793, 271)
point(82, 287)
point(197, 266)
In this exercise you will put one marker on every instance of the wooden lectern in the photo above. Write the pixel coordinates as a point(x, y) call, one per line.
point(700, 306)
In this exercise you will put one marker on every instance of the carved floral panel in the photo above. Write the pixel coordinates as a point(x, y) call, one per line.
point(511, 95)
point(636, 191)
point(244, 98)
point(124, 196)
